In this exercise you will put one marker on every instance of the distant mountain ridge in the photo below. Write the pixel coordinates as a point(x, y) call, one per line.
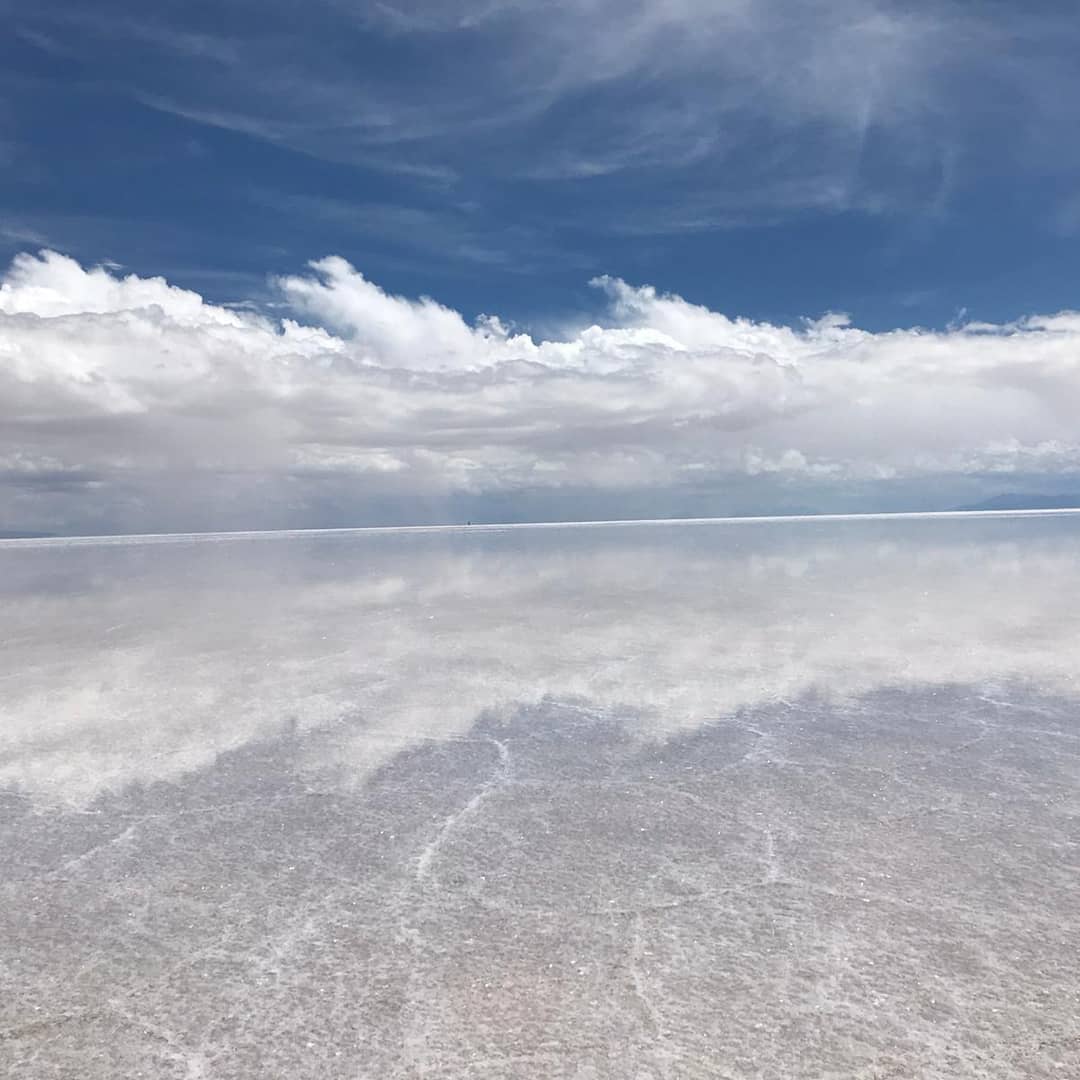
point(1027, 502)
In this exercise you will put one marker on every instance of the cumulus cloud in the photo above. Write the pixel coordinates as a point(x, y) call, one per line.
point(129, 402)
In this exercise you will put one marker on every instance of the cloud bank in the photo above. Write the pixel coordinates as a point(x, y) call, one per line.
point(129, 403)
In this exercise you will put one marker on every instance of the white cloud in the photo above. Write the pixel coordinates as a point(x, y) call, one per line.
point(767, 106)
point(419, 333)
point(120, 382)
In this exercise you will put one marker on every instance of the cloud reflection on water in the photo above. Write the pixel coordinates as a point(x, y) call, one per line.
point(140, 662)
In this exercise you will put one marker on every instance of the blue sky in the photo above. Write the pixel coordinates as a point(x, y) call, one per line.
point(896, 161)
point(683, 257)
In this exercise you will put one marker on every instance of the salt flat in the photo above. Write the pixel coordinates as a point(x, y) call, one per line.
point(786, 799)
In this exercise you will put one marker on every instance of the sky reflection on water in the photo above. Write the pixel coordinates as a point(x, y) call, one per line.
point(140, 661)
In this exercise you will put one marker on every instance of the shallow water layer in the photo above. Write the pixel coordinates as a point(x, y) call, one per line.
point(722, 800)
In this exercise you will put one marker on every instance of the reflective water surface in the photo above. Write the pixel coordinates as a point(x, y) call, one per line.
point(788, 799)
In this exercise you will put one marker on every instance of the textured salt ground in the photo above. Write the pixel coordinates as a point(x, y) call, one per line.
point(880, 888)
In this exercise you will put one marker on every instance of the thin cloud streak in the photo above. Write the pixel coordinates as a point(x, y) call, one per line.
point(773, 88)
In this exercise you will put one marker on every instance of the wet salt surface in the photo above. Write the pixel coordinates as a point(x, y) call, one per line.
point(725, 801)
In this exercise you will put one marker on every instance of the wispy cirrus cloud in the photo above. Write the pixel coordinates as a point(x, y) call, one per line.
point(870, 96)
point(454, 233)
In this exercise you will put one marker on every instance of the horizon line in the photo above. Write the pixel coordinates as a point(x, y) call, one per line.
point(254, 534)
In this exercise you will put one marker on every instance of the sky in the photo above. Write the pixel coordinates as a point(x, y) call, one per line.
point(270, 265)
